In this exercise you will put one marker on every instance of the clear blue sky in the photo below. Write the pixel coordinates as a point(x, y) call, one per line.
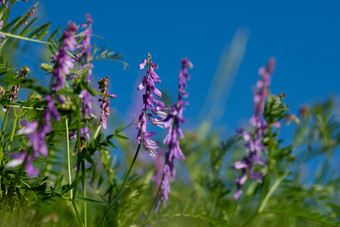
point(303, 36)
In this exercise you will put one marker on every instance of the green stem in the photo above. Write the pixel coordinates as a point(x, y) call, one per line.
point(3, 137)
point(77, 212)
point(84, 191)
point(154, 201)
point(68, 157)
point(78, 167)
point(13, 131)
point(271, 191)
point(269, 166)
point(122, 186)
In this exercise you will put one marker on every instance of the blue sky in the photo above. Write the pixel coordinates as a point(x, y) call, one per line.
point(303, 36)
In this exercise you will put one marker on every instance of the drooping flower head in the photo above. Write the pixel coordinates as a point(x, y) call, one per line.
point(150, 103)
point(105, 106)
point(175, 116)
point(253, 141)
point(23, 158)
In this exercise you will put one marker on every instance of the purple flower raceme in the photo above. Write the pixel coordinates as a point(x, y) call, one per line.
point(150, 103)
point(253, 141)
point(63, 61)
point(105, 106)
point(36, 133)
point(175, 117)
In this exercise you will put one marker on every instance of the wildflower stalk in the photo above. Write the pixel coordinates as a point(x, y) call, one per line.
point(68, 157)
point(267, 178)
point(13, 131)
point(3, 137)
point(154, 201)
point(78, 169)
point(84, 191)
point(123, 184)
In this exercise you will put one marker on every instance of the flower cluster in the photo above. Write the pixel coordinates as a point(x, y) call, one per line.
point(13, 94)
point(63, 61)
point(30, 13)
point(253, 141)
point(105, 105)
point(36, 132)
point(148, 82)
point(175, 116)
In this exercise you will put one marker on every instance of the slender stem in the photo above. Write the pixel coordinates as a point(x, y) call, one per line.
point(269, 166)
point(2, 145)
point(77, 212)
point(68, 157)
point(3, 137)
point(122, 186)
point(154, 201)
point(78, 168)
point(84, 191)
point(13, 131)
point(24, 107)
point(271, 191)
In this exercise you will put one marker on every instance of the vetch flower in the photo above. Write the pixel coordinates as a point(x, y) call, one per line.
point(105, 106)
point(253, 141)
point(19, 159)
point(172, 121)
point(150, 103)
point(63, 61)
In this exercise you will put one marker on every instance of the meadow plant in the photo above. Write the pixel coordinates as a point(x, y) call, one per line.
point(65, 160)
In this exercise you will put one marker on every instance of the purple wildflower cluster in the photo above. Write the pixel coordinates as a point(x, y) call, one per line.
point(175, 116)
point(13, 94)
point(253, 141)
point(105, 105)
point(84, 58)
point(148, 82)
point(36, 132)
point(63, 61)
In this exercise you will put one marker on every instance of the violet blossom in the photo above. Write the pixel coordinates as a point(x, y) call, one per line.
point(36, 132)
point(175, 117)
point(105, 106)
point(19, 159)
point(253, 141)
point(63, 61)
point(150, 103)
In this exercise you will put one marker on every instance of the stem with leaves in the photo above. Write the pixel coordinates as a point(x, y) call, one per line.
point(123, 184)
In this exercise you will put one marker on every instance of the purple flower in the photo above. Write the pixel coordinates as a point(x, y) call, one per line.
point(172, 121)
point(63, 61)
point(19, 159)
point(85, 47)
point(253, 141)
point(84, 132)
point(150, 103)
point(51, 108)
point(105, 106)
